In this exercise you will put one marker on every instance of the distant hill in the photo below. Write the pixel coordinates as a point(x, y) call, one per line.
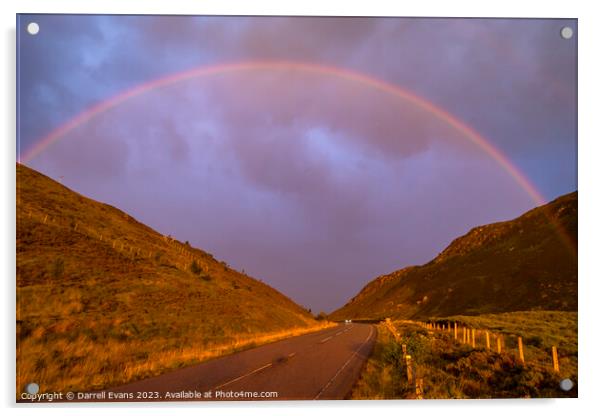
point(103, 299)
point(517, 265)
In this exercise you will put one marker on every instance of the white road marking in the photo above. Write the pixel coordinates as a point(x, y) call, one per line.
point(243, 376)
point(344, 365)
point(291, 355)
point(326, 339)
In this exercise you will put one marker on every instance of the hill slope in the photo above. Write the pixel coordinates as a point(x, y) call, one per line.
point(103, 299)
point(522, 264)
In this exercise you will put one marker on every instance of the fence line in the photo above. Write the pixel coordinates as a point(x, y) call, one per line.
point(123, 244)
point(469, 337)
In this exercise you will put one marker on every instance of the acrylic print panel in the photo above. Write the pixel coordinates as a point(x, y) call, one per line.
point(281, 208)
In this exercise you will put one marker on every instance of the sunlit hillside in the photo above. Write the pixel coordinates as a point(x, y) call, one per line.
point(103, 299)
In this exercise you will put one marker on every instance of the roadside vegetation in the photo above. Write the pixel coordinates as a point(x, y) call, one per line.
point(450, 369)
point(69, 359)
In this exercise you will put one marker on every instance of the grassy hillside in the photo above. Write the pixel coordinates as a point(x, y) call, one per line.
point(517, 265)
point(103, 299)
point(450, 369)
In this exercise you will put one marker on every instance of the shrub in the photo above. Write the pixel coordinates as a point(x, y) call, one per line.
point(195, 268)
point(392, 354)
point(535, 340)
point(321, 316)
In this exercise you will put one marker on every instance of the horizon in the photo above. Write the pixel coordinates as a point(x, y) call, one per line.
point(370, 279)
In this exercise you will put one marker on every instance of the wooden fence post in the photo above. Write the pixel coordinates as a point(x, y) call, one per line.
point(419, 389)
point(487, 340)
point(455, 331)
point(555, 359)
point(521, 354)
point(409, 368)
point(474, 344)
point(499, 345)
point(404, 349)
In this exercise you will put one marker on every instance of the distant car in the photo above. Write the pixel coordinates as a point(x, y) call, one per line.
point(347, 321)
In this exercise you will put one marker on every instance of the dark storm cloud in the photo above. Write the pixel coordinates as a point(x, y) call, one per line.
point(312, 182)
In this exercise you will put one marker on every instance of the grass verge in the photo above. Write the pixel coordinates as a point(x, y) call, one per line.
point(83, 365)
point(453, 370)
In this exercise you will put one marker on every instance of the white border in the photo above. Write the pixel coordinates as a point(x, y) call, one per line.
point(590, 273)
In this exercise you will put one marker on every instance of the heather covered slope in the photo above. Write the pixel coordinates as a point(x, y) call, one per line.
point(103, 299)
point(517, 265)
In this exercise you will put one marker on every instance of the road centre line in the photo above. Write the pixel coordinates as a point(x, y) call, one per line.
point(269, 365)
point(344, 365)
point(291, 355)
point(243, 376)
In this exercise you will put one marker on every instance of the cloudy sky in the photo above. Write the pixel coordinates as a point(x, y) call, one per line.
point(313, 182)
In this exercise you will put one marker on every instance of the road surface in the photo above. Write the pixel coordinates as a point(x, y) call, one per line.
point(320, 365)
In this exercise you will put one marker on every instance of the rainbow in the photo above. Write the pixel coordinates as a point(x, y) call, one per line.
point(326, 70)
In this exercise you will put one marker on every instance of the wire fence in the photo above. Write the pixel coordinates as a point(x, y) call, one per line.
point(156, 248)
point(462, 335)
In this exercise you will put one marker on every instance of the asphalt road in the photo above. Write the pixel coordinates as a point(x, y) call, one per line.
point(320, 365)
